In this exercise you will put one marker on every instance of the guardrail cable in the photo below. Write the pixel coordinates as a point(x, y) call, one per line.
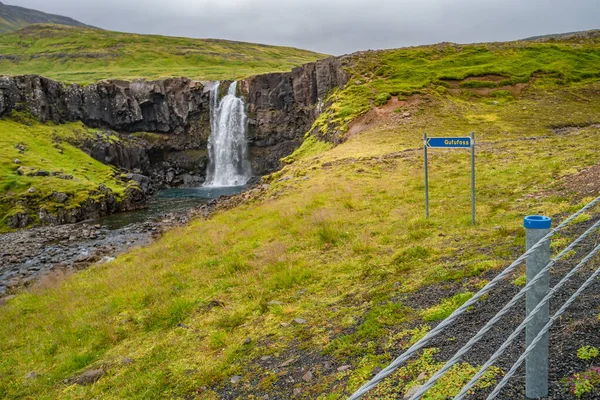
point(477, 337)
point(523, 324)
point(459, 311)
point(541, 334)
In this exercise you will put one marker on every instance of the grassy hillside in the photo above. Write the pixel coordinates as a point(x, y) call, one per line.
point(29, 151)
point(313, 276)
point(13, 18)
point(496, 68)
point(84, 55)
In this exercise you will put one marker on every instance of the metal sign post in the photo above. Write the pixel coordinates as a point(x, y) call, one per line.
point(426, 176)
point(472, 178)
point(450, 143)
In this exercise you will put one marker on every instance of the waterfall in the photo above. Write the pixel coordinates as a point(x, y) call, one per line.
point(228, 163)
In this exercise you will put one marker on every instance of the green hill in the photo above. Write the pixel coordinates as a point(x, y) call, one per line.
point(13, 18)
point(83, 55)
point(316, 275)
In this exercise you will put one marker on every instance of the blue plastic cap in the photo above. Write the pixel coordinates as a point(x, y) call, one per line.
point(537, 222)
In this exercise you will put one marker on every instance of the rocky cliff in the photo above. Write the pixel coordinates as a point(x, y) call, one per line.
point(174, 116)
point(283, 106)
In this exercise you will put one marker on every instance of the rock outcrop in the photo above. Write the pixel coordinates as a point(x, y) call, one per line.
point(100, 203)
point(167, 106)
point(283, 106)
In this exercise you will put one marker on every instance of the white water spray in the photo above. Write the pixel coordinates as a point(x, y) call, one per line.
point(228, 163)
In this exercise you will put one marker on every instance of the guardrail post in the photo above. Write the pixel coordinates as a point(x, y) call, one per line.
point(536, 363)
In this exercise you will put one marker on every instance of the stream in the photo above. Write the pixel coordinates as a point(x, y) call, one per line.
point(27, 256)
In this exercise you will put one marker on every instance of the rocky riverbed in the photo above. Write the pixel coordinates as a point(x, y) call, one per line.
point(29, 255)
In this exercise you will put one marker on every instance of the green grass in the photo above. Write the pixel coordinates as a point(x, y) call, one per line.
point(84, 55)
point(335, 244)
point(48, 148)
point(340, 243)
point(376, 75)
point(446, 307)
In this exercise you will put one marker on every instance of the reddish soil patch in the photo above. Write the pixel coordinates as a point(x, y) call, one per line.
point(385, 113)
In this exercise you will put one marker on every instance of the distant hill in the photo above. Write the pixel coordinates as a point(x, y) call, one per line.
point(84, 55)
point(567, 35)
point(13, 18)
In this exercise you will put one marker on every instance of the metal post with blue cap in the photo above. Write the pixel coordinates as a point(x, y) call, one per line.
point(536, 363)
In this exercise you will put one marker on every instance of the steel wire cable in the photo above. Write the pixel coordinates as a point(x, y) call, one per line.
point(523, 324)
point(459, 311)
point(469, 345)
point(539, 336)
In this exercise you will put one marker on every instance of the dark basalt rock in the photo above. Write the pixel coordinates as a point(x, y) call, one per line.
point(104, 203)
point(283, 106)
point(139, 106)
point(143, 182)
point(19, 220)
point(123, 155)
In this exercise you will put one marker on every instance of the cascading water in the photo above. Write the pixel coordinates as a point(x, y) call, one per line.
point(228, 163)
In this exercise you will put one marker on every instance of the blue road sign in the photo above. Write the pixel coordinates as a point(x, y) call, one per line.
point(449, 142)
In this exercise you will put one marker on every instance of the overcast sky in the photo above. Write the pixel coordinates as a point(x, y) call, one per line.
point(333, 26)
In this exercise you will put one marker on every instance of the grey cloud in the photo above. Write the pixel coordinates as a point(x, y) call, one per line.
point(334, 27)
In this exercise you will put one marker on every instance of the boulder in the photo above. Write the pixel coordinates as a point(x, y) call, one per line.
point(143, 182)
point(31, 375)
point(410, 392)
point(19, 220)
point(89, 377)
point(60, 197)
point(170, 177)
point(192, 180)
point(307, 377)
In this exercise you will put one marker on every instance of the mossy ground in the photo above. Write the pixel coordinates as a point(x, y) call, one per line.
point(46, 147)
point(85, 55)
point(492, 67)
point(336, 244)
